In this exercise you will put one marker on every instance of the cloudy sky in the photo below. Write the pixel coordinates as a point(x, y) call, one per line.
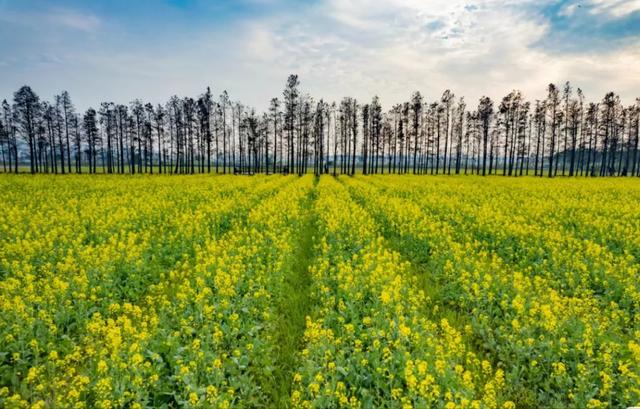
point(119, 50)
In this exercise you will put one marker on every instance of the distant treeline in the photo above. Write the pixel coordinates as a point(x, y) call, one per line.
point(560, 135)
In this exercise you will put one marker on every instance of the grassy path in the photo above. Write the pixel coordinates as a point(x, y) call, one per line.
point(293, 307)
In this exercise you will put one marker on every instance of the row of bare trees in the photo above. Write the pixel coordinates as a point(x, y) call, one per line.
point(560, 135)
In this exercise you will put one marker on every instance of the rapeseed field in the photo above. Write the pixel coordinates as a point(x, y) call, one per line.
point(349, 292)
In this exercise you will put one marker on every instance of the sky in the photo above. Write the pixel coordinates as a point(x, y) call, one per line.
point(120, 50)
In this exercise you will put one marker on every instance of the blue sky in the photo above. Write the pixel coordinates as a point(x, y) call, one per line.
point(120, 50)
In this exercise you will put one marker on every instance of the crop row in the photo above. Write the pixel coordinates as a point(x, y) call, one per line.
point(551, 307)
point(368, 341)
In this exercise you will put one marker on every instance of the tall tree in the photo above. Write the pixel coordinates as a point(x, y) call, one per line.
point(566, 96)
point(291, 95)
point(459, 129)
point(274, 110)
point(68, 111)
point(485, 112)
point(447, 101)
point(205, 107)
point(90, 128)
point(10, 132)
point(224, 102)
point(416, 116)
point(552, 104)
point(26, 110)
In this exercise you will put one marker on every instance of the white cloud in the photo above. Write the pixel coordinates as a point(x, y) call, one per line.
point(614, 8)
point(339, 48)
point(392, 48)
point(74, 20)
point(52, 19)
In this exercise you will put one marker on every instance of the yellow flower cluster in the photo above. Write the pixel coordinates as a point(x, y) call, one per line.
point(159, 291)
point(370, 341)
point(543, 272)
point(142, 292)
